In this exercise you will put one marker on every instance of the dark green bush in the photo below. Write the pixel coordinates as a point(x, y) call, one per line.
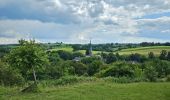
point(118, 70)
point(168, 78)
point(151, 74)
point(9, 77)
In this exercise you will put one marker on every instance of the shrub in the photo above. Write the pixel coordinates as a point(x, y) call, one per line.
point(151, 74)
point(168, 78)
point(94, 67)
point(9, 77)
point(162, 67)
point(117, 70)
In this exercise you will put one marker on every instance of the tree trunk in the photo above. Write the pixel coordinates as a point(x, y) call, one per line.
point(35, 78)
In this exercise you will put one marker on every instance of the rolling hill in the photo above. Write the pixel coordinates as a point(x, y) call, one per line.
point(144, 50)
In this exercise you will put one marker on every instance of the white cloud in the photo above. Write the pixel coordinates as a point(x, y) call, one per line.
point(78, 20)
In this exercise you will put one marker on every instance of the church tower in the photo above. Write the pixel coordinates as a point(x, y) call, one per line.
point(90, 49)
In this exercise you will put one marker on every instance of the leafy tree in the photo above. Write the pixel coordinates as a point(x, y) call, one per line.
point(54, 58)
point(163, 55)
point(65, 55)
point(79, 68)
point(77, 54)
point(151, 55)
point(168, 56)
point(162, 67)
point(9, 76)
point(111, 58)
point(118, 70)
point(27, 56)
point(55, 69)
point(94, 67)
point(137, 57)
point(89, 60)
point(87, 52)
point(150, 73)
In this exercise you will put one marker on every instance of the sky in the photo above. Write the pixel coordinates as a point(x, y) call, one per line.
point(78, 21)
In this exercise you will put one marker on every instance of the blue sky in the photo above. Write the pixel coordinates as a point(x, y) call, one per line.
point(76, 21)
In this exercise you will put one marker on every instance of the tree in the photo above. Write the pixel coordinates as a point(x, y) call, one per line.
point(94, 67)
point(163, 55)
point(79, 68)
point(168, 56)
point(150, 73)
point(151, 55)
point(9, 76)
point(65, 55)
point(77, 54)
point(137, 57)
point(87, 52)
point(111, 58)
point(28, 56)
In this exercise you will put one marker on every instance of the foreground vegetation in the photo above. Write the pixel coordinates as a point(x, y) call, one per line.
point(35, 70)
point(98, 90)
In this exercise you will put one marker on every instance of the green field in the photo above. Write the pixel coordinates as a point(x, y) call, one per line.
point(145, 50)
point(69, 49)
point(94, 91)
point(141, 50)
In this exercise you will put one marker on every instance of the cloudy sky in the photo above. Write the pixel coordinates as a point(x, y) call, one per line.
point(76, 21)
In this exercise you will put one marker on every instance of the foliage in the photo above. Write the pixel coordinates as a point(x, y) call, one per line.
point(151, 74)
point(136, 58)
point(118, 70)
point(77, 54)
point(111, 58)
point(8, 76)
point(27, 56)
point(160, 66)
point(79, 68)
point(151, 55)
point(168, 78)
point(163, 55)
point(65, 55)
point(94, 67)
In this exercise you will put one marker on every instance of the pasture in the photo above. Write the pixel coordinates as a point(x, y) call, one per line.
point(144, 50)
point(93, 91)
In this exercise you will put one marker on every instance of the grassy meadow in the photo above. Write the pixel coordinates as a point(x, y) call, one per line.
point(93, 91)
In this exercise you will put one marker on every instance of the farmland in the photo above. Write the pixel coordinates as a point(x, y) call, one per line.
point(145, 50)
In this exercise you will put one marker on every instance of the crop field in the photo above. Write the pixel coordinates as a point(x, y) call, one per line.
point(93, 91)
point(145, 50)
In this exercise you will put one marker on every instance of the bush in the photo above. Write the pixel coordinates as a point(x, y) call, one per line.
point(9, 77)
point(151, 74)
point(168, 78)
point(117, 70)
point(162, 67)
point(94, 67)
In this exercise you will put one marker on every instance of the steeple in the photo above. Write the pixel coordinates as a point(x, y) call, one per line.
point(90, 49)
